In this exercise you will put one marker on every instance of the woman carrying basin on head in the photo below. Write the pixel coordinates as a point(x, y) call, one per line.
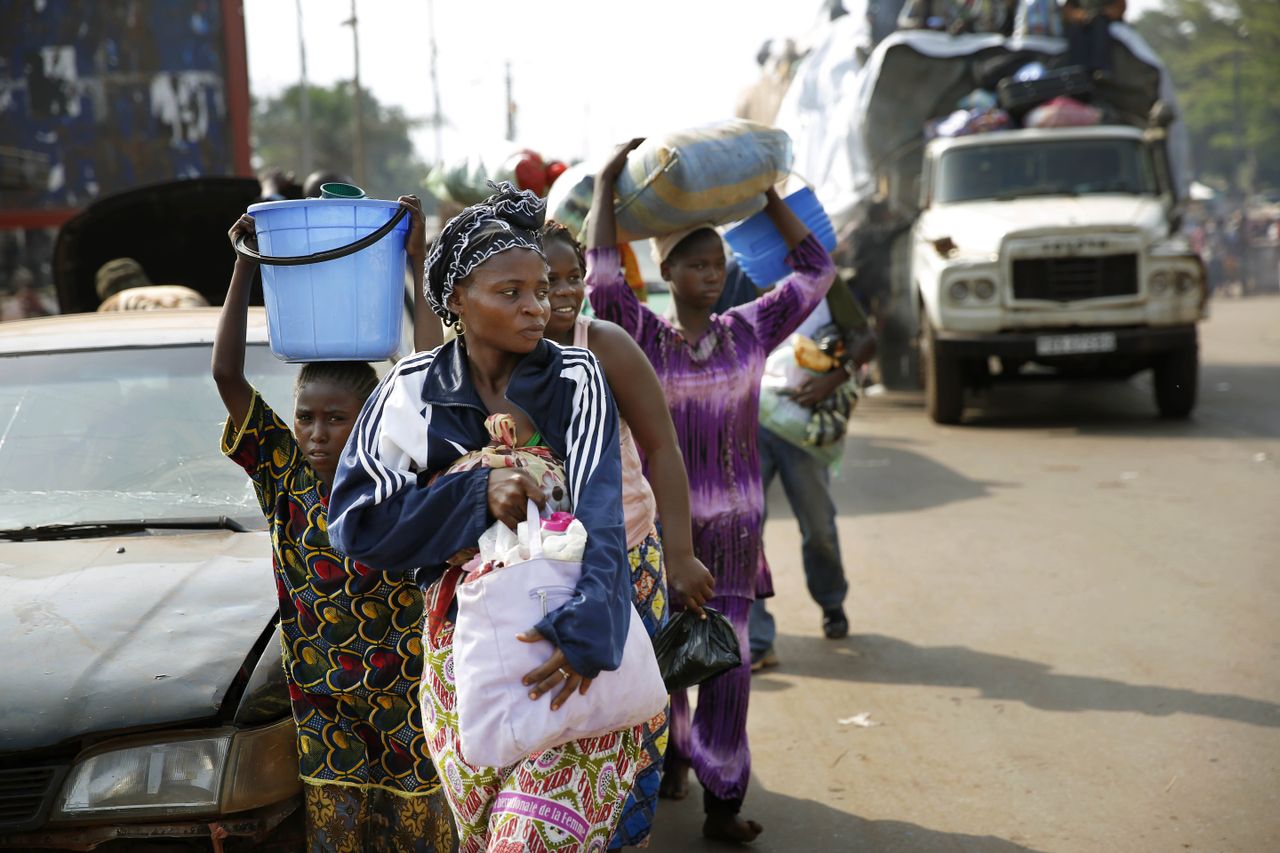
point(350, 636)
point(416, 488)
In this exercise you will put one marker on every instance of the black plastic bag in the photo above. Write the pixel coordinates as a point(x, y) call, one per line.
point(692, 650)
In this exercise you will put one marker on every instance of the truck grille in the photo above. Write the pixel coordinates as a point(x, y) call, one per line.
point(1071, 279)
point(25, 794)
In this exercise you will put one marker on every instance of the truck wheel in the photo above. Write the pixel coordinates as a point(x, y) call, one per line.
point(943, 382)
point(1176, 377)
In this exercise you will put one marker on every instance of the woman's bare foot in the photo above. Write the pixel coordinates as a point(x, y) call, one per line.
point(675, 782)
point(724, 826)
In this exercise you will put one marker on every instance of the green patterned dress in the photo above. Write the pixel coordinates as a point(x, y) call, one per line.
point(352, 645)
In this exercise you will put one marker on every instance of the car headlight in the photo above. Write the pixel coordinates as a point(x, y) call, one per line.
point(958, 290)
point(155, 779)
point(203, 773)
point(1185, 282)
point(1160, 283)
point(984, 289)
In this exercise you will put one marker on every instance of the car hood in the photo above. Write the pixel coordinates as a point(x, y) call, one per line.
point(127, 632)
point(978, 227)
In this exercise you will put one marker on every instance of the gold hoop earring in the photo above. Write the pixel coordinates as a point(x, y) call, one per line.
point(459, 327)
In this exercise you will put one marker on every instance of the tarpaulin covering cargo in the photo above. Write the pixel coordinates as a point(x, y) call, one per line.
point(858, 130)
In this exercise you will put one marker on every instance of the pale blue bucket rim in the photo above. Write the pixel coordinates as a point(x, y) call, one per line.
point(333, 202)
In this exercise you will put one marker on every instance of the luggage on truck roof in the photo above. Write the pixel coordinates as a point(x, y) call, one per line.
point(1019, 96)
point(855, 135)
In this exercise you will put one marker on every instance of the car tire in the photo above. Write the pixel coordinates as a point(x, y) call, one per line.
point(943, 382)
point(1177, 377)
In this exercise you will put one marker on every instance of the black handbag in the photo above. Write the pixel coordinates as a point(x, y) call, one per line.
point(691, 651)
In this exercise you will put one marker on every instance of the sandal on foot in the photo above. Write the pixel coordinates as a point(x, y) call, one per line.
point(835, 625)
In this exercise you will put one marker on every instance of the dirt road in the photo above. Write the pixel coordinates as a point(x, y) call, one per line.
point(1064, 626)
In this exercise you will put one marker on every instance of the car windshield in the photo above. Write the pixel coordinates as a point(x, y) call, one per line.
point(1069, 167)
point(123, 435)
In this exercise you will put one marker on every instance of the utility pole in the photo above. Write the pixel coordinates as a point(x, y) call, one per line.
point(305, 103)
point(511, 107)
point(1238, 122)
point(438, 118)
point(1243, 172)
point(357, 170)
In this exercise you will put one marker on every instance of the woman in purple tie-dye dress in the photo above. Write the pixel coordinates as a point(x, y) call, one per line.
point(710, 367)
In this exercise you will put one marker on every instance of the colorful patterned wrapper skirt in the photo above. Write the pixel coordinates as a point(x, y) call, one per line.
point(565, 800)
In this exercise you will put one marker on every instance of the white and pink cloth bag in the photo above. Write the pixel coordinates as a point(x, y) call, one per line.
point(499, 724)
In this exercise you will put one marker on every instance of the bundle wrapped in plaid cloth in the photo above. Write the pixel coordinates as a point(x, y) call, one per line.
point(818, 429)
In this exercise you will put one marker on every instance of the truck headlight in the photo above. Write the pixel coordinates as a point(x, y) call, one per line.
point(1185, 282)
point(958, 291)
point(211, 773)
point(983, 289)
point(1160, 283)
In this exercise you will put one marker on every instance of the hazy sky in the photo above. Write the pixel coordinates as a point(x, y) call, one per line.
point(586, 73)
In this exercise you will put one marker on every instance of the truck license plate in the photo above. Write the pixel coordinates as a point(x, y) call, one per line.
point(1076, 344)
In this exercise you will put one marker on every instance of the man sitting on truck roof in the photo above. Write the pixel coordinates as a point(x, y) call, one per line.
point(1087, 25)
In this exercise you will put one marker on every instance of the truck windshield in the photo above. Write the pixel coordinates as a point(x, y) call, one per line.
point(1069, 167)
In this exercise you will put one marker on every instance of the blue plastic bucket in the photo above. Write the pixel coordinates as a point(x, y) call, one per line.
point(348, 309)
point(760, 249)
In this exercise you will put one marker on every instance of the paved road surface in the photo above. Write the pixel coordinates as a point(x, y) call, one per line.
point(1065, 618)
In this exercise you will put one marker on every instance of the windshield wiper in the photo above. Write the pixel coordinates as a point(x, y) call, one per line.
point(1032, 192)
point(92, 529)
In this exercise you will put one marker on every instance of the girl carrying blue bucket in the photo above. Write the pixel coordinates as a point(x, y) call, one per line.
point(351, 637)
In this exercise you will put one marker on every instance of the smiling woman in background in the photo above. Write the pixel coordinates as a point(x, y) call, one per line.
point(652, 560)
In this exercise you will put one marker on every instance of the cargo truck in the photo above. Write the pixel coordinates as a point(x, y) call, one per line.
point(1017, 253)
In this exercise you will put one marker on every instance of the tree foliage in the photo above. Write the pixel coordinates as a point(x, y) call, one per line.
point(1224, 56)
point(392, 167)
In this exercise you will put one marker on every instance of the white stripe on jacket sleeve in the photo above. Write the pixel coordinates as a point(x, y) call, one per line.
point(587, 429)
point(393, 434)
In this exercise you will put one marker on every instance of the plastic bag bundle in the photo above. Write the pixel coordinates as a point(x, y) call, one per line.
point(968, 122)
point(1030, 72)
point(978, 99)
point(569, 200)
point(465, 180)
point(787, 419)
point(563, 538)
point(1063, 112)
point(692, 651)
point(715, 173)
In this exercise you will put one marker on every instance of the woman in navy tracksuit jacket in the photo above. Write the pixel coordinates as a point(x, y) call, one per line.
point(398, 504)
point(423, 417)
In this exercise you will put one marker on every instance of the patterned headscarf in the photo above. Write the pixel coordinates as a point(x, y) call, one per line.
point(508, 219)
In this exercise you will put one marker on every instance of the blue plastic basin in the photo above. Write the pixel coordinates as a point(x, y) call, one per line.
point(760, 249)
point(349, 309)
